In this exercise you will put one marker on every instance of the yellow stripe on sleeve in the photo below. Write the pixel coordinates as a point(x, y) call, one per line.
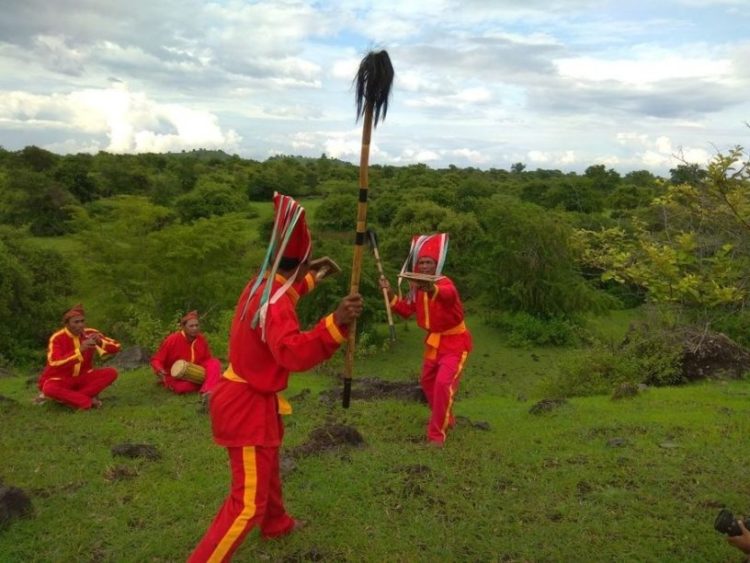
point(310, 281)
point(333, 330)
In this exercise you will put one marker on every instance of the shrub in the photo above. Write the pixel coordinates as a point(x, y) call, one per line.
point(594, 373)
point(652, 356)
point(524, 329)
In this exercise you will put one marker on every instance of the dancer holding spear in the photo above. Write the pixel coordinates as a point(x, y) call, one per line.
point(374, 79)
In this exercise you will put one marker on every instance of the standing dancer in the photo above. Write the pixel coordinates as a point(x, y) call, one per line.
point(435, 301)
point(265, 344)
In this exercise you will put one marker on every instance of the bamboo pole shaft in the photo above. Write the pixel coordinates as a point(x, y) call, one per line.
point(359, 241)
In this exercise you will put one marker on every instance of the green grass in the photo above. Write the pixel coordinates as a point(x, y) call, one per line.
point(549, 487)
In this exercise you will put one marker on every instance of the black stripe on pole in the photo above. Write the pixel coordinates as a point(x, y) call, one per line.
point(347, 393)
point(359, 239)
point(363, 195)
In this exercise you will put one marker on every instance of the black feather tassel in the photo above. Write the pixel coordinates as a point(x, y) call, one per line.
point(374, 79)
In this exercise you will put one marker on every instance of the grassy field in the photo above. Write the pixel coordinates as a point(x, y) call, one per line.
point(639, 479)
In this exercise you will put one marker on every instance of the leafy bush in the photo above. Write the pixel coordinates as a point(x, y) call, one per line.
point(736, 325)
point(651, 356)
point(337, 212)
point(594, 373)
point(524, 329)
point(657, 352)
point(209, 200)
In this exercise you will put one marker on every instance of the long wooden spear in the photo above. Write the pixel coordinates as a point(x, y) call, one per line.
point(373, 84)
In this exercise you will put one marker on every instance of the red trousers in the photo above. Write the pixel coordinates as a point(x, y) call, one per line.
point(440, 378)
point(78, 391)
point(180, 386)
point(254, 499)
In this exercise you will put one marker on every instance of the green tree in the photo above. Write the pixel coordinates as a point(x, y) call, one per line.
point(35, 285)
point(526, 262)
point(698, 255)
point(209, 199)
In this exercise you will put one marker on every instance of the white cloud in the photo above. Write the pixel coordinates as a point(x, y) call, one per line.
point(131, 121)
point(470, 155)
point(644, 69)
point(560, 83)
point(538, 156)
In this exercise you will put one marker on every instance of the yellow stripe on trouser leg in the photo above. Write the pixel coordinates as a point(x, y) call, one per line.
point(453, 391)
point(248, 506)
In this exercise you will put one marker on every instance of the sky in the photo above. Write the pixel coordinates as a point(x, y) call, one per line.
point(553, 84)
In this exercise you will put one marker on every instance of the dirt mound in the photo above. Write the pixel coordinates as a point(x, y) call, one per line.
point(120, 473)
point(14, 503)
point(133, 451)
point(373, 389)
point(415, 479)
point(709, 354)
point(327, 438)
point(479, 424)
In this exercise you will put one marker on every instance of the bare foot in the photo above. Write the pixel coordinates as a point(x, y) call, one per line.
point(96, 403)
point(40, 399)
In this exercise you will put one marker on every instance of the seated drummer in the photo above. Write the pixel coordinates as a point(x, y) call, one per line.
point(190, 345)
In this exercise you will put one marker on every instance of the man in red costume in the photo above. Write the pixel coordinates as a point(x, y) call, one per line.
point(439, 311)
point(265, 344)
point(190, 345)
point(69, 376)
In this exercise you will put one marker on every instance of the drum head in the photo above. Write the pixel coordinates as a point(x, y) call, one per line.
point(178, 367)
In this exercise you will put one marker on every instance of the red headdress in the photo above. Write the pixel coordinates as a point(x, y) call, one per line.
point(425, 246)
point(188, 316)
point(428, 246)
point(289, 247)
point(75, 311)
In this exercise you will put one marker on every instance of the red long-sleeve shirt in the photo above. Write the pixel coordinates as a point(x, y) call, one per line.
point(65, 357)
point(177, 346)
point(244, 406)
point(441, 314)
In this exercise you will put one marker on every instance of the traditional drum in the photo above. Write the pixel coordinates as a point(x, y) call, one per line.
point(183, 369)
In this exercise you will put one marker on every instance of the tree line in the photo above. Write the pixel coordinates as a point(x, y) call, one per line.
point(144, 237)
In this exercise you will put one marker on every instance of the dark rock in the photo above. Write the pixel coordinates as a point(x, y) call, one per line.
point(547, 405)
point(14, 503)
point(617, 442)
point(133, 451)
point(131, 358)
